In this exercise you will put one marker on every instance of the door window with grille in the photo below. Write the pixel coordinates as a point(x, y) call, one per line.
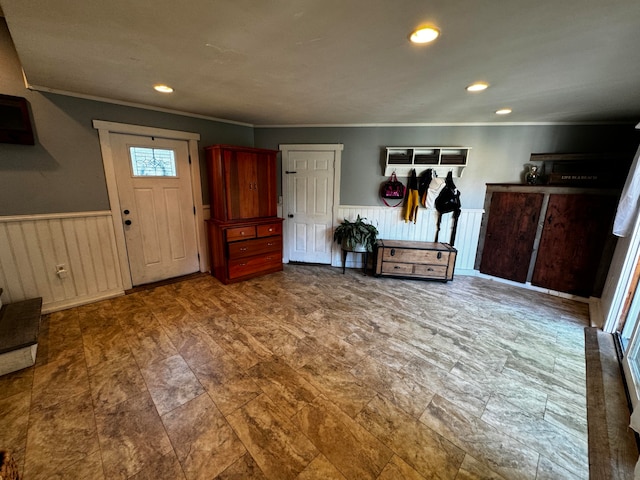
point(152, 162)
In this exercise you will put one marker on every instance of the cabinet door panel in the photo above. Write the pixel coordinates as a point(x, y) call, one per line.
point(242, 186)
point(266, 195)
point(576, 228)
point(510, 234)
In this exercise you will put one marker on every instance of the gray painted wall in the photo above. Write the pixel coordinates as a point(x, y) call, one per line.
point(499, 153)
point(63, 172)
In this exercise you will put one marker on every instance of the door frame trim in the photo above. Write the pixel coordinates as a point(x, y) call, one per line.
point(105, 130)
point(337, 148)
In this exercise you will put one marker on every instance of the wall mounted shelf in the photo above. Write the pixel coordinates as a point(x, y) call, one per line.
point(441, 159)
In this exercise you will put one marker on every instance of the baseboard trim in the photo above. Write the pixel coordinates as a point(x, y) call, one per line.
point(78, 301)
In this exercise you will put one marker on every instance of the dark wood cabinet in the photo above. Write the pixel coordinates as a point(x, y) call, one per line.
point(557, 238)
point(245, 235)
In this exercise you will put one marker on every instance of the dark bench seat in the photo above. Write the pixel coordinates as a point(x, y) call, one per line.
point(19, 328)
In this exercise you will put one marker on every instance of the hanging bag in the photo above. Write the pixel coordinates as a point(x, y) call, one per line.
point(392, 189)
point(449, 201)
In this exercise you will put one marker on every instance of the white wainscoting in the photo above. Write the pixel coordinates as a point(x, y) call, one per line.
point(391, 226)
point(31, 246)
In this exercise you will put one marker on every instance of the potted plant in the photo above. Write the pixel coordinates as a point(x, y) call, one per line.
point(356, 236)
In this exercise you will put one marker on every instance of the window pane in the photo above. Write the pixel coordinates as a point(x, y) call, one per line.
point(152, 162)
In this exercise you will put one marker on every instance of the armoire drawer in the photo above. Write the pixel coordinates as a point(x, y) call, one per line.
point(257, 246)
point(251, 265)
point(240, 233)
point(270, 230)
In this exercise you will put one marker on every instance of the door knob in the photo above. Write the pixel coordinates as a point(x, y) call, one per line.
point(127, 222)
point(290, 215)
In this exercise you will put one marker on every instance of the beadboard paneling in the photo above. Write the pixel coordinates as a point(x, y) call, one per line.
point(32, 245)
point(391, 225)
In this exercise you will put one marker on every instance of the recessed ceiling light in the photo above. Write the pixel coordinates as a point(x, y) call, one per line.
point(477, 87)
point(424, 35)
point(163, 88)
point(503, 111)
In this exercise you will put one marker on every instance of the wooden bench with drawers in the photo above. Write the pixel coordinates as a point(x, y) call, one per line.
point(420, 260)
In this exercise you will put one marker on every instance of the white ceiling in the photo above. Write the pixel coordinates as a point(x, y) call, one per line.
point(312, 62)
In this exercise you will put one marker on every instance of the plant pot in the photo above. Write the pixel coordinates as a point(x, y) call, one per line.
point(358, 247)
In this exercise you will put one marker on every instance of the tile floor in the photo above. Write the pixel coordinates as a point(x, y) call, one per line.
point(306, 374)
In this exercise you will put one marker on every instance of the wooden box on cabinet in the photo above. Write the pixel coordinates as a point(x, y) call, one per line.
point(245, 249)
point(421, 260)
point(552, 237)
point(242, 182)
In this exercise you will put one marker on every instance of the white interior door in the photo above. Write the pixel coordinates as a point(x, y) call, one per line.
point(309, 176)
point(156, 200)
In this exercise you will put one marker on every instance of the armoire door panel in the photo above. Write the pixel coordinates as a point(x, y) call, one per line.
point(510, 234)
point(576, 228)
point(266, 192)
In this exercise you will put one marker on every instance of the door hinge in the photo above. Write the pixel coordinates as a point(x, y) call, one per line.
point(198, 257)
point(189, 159)
point(194, 210)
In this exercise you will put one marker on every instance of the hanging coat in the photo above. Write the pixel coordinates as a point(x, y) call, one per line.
point(412, 200)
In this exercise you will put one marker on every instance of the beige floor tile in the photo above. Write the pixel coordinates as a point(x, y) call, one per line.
point(16, 382)
point(229, 386)
point(498, 451)
point(14, 421)
point(398, 469)
point(472, 469)
point(132, 437)
point(203, 440)
point(245, 468)
point(277, 445)
point(61, 434)
point(115, 381)
point(171, 383)
point(335, 381)
point(399, 388)
point(283, 385)
point(165, 467)
point(354, 451)
point(562, 448)
point(426, 451)
point(108, 344)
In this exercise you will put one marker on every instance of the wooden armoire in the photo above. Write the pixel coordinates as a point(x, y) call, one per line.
point(245, 234)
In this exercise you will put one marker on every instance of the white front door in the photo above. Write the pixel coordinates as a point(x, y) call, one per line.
point(309, 176)
point(156, 200)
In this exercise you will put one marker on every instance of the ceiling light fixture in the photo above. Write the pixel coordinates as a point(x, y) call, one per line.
point(503, 111)
point(477, 87)
point(424, 35)
point(163, 88)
